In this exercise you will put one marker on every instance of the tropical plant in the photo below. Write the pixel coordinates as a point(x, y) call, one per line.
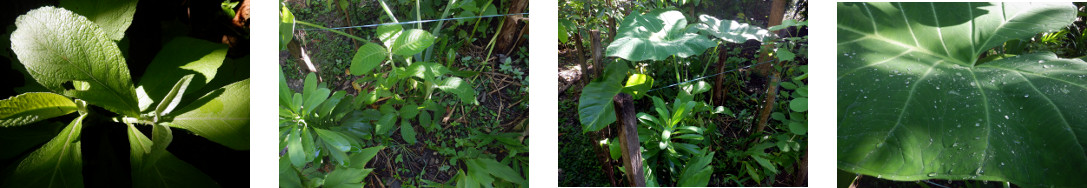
point(73, 53)
point(315, 126)
point(915, 102)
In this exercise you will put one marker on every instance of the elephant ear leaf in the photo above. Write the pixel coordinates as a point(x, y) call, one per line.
point(657, 35)
point(69, 54)
point(595, 108)
point(915, 104)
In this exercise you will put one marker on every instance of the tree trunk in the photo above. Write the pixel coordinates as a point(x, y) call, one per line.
point(598, 51)
point(580, 47)
point(511, 28)
point(777, 11)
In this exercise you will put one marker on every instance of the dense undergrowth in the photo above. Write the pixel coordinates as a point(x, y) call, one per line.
point(430, 104)
point(695, 127)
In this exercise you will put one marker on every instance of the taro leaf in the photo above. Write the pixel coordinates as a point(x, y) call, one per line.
point(913, 104)
point(411, 42)
point(657, 35)
point(407, 132)
point(28, 108)
point(730, 30)
point(113, 16)
point(221, 116)
point(70, 55)
point(595, 108)
point(58, 163)
point(460, 88)
point(178, 58)
point(286, 26)
point(368, 57)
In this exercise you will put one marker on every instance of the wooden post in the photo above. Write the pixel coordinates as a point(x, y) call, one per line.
point(580, 47)
point(628, 139)
point(777, 11)
point(598, 51)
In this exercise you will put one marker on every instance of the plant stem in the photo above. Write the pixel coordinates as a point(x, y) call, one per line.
point(434, 31)
point(387, 11)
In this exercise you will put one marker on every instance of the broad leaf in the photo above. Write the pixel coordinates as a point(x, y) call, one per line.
point(70, 55)
point(657, 35)
point(346, 177)
point(697, 172)
point(595, 108)
point(28, 108)
point(153, 166)
point(178, 58)
point(386, 124)
point(368, 57)
point(461, 89)
point(359, 159)
point(914, 103)
point(407, 132)
point(637, 85)
point(411, 42)
point(58, 163)
point(730, 30)
point(113, 16)
point(221, 116)
point(498, 170)
point(286, 26)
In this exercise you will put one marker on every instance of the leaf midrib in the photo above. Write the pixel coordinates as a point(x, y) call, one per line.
point(64, 56)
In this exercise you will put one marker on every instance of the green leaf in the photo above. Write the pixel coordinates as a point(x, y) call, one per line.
point(461, 89)
point(285, 100)
point(638, 84)
point(359, 159)
point(411, 42)
point(346, 177)
point(180, 57)
point(799, 104)
point(28, 108)
point(657, 35)
point(59, 47)
point(58, 163)
point(295, 148)
point(286, 26)
point(334, 139)
point(595, 108)
point(765, 163)
point(153, 166)
point(171, 100)
point(784, 54)
point(499, 170)
point(409, 111)
point(798, 128)
point(915, 104)
point(386, 124)
point(697, 172)
point(731, 31)
point(112, 16)
point(388, 34)
point(696, 87)
point(221, 116)
point(407, 132)
point(288, 176)
point(563, 35)
point(615, 149)
point(368, 57)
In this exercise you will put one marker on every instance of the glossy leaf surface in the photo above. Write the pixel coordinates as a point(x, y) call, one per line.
point(731, 30)
point(914, 104)
point(657, 35)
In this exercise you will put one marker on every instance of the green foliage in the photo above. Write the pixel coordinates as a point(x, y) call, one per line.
point(657, 35)
point(928, 97)
point(595, 107)
point(75, 55)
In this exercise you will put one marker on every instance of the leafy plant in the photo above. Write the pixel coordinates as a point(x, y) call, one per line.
point(73, 52)
point(315, 126)
point(915, 102)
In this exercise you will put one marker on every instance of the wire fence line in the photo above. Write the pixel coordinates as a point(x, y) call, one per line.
point(413, 22)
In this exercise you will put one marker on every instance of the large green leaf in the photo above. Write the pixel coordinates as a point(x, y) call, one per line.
point(70, 55)
point(913, 103)
point(697, 172)
point(286, 26)
point(32, 107)
point(113, 16)
point(407, 132)
point(221, 116)
point(58, 163)
point(411, 42)
point(460, 88)
point(595, 108)
point(657, 35)
point(368, 57)
point(730, 30)
point(346, 177)
point(178, 58)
